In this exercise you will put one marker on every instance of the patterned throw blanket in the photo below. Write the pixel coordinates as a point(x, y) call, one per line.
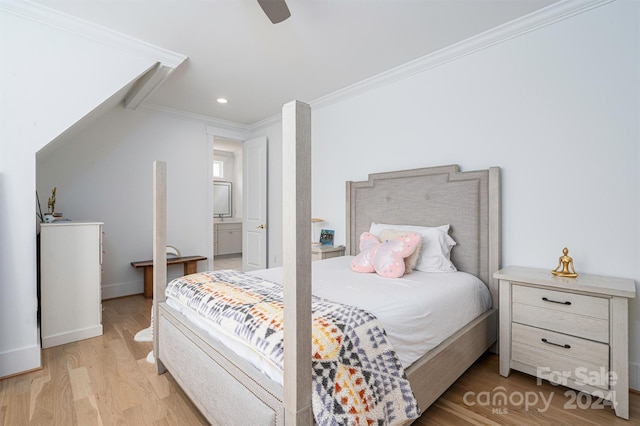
point(357, 377)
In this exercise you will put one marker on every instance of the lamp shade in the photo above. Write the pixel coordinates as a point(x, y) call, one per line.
point(314, 221)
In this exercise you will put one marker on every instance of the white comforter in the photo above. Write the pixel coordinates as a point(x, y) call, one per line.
point(418, 311)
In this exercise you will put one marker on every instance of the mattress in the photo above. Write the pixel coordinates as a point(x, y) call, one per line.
point(418, 311)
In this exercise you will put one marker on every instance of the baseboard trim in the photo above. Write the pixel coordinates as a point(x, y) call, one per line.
point(634, 376)
point(20, 361)
point(71, 336)
point(111, 291)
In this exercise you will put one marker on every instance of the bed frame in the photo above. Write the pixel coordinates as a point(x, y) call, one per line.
point(228, 390)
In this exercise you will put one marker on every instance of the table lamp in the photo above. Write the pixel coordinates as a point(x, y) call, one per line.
point(314, 221)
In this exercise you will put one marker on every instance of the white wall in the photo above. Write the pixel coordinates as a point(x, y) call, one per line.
point(556, 108)
point(49, 80)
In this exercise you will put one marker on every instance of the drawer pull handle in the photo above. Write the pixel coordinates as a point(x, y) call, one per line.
point(555, 301)
point(556, 344)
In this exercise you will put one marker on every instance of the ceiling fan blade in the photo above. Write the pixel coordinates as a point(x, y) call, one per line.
point(276, 10)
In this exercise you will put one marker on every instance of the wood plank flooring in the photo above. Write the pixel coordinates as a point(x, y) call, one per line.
point(229, 261)
point(104, 380)
point(107, 381)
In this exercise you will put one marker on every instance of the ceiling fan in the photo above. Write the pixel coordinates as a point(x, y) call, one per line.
point(276, 10)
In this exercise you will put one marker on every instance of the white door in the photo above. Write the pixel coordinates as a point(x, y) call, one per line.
point(254, 222)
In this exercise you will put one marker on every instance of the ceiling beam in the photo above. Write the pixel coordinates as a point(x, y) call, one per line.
point(146, 85)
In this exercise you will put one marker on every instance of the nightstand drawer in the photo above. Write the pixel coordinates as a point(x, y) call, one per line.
point(591, 352)
point(596, 307)
point(576, 325)
point(580, 362)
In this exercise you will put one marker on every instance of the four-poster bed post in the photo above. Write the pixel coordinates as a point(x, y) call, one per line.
point(159, 250)
point(296, 178)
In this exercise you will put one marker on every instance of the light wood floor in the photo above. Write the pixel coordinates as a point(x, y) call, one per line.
point(106, 381)
point(99, 381)
point(229, 261)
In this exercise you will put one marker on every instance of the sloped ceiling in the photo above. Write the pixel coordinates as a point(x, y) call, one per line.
point(235, 52)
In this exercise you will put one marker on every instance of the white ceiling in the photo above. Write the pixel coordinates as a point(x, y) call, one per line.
point(236, 52)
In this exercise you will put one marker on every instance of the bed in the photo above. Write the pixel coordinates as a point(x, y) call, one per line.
point(228, 389)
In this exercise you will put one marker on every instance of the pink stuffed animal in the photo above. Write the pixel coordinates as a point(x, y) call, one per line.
point(387, 258)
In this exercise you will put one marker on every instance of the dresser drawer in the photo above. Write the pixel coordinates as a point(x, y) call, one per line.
point(567, 313)
point(582, 361)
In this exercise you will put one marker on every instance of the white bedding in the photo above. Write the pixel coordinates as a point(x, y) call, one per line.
point(418, 311)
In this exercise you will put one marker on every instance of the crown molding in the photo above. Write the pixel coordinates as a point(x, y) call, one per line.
point(72, 24)
point(546, 16)
point(218, 123)
point(274, 119)
point(208, 120)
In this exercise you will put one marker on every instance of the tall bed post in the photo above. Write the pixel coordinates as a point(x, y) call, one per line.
point(495, 238)
point(159, 250)
point(495, 243)
point(296, 177)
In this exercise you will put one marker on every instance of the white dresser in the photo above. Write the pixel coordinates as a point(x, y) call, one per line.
point(70, 289)
point(571, 331)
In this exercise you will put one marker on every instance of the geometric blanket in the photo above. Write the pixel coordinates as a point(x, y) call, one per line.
point(357, 377)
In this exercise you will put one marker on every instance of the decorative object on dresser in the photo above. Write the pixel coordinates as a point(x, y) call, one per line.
point(570, 331)
point(71, 283)
point(565, 266)
point(51, 202)
point(50, 215)
point(326, 252)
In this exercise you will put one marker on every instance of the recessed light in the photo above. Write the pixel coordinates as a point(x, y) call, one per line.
point(222, 100)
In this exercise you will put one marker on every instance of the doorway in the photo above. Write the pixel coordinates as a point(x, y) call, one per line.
point(228, 207)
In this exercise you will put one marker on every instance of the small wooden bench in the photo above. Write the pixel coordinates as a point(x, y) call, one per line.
point(190, 267)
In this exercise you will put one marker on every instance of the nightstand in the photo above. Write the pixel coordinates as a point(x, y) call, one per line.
point(571, 331)
point(326, 252)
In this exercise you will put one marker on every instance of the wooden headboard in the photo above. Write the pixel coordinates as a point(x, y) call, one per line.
point(433, 196)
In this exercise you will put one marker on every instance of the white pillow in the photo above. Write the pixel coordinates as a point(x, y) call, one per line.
point(435, 251)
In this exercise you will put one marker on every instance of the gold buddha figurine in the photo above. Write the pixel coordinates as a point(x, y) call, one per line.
point(565, 266)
